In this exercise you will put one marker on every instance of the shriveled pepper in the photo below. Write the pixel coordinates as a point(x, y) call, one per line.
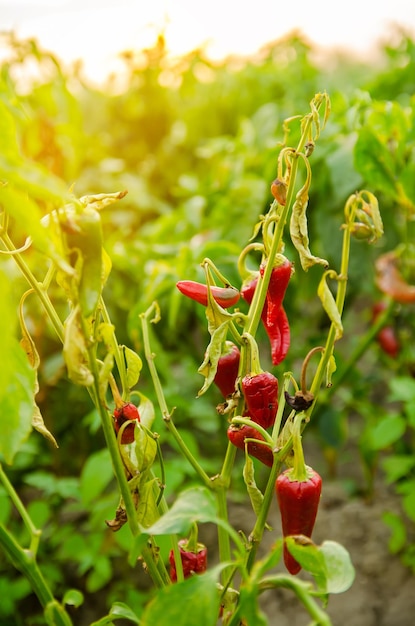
point(278, 283)
point(128, 411)
point(193, 561)
point(257, 448)
point(224, 296)
point(261, 396)
point(277, 327)
point(227, 370)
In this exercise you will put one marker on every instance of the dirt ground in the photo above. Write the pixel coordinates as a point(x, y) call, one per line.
point(383, 593)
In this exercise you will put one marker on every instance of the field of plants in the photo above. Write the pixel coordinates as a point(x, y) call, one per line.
point(208, 357)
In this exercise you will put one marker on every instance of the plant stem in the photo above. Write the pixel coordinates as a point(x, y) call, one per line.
point(36, 286)
point(118, 466)
point(319, 616)
point(33, 531)
point(25, 562)
point(162, 400)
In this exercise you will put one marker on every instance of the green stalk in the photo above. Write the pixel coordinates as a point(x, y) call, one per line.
point(162, 400)
point(33, 531)
point(118, 356)
point(25, 562)
point(118, 467)
point(300, 589)
point(340, 298)
point(37, 287)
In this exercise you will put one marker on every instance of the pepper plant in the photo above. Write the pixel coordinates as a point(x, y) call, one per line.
point(264, 412)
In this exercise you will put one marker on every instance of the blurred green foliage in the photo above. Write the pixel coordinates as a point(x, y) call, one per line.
point(195, 144)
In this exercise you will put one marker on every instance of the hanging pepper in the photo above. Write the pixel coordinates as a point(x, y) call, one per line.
point(227, 370)
point(298, 491)
point(298, 502)
point(278, 283)
point(128, 411)
point(194, 562)
point(258, 449)
point(276, 327)
point(386, 337)
point(224, 296)
point(261, 396)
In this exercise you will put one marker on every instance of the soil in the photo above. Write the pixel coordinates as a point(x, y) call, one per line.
point(383, 593)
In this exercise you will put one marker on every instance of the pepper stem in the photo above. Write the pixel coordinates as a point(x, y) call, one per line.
point(192, 545)
point(252, 356)
point(299, 470)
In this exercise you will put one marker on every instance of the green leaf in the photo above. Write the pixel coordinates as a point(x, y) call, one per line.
point(196, 600)
point(402, 389)
point(134, 366)
point(339, 569)
point(311, 559)
point(397, 466)
point(388, 430)
point(196, 504)
point(73, 597)
point(147, 511)
point(255, 494)
point(96, 475)
point(146, 410)
point(329, 303)
point(17, 382)
point(145, 449)
point(408, 503)
point(398, 537)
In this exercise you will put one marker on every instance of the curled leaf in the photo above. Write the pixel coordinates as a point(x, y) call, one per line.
point(329, 303)
point(75, 351)
point(299, 227)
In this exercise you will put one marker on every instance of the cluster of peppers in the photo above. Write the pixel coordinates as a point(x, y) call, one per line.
point(298, 489)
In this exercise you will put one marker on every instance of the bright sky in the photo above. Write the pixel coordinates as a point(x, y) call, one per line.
point(96, 30)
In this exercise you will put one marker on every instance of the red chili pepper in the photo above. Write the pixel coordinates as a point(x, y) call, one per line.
point(386, 337)
point(193, 562)
point(261, 397)
point(298, 502)
point(123, 414)
point(278, 331)
point(224, 296)
point(227, 371)
point(257, 449)
point(278, 283)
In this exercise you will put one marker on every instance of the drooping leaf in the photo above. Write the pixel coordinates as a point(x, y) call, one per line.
point(209, 366)
point(299, 231)
point(75, 351)
point(329, 303)
point(134, 366)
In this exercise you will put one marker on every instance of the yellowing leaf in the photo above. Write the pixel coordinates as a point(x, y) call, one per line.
point(329, 303)
point(75, 352)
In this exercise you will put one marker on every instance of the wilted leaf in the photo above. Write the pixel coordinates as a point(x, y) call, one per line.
point(329, 303)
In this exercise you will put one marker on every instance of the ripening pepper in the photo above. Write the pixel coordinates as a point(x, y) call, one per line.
point(224, 296)
point(193, 562)
point(258, 448)
point(227, 371)
point(298, 501)
point(261, 396)
point(128, 411)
